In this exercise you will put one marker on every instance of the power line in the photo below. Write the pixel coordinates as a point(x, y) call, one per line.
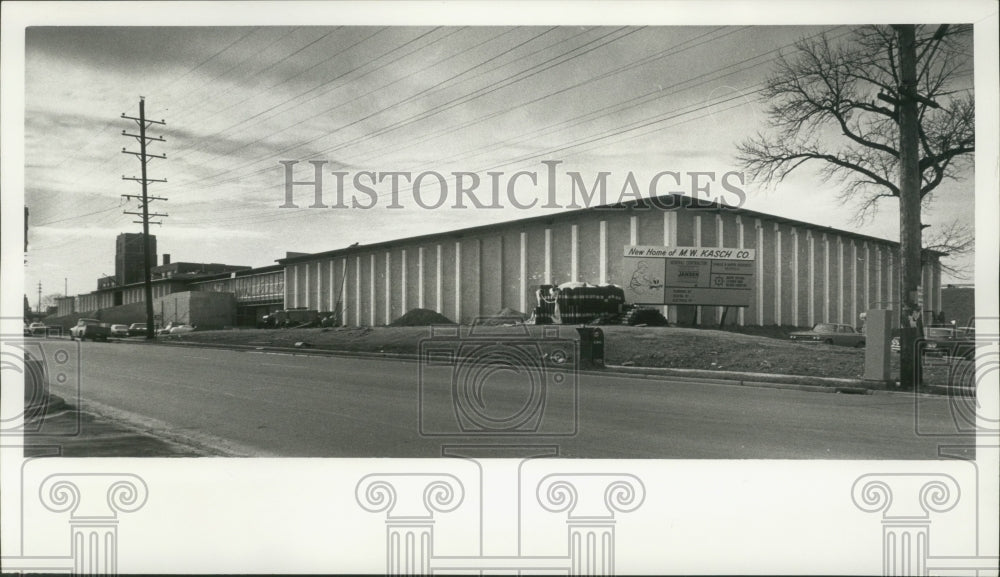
point(366, 95)
point(529, 72)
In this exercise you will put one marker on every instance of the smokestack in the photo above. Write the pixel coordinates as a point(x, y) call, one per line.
point(166, 258)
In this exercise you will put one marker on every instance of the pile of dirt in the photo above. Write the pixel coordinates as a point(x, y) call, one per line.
point(421, 318)
point(649, 317)
point(506, 316)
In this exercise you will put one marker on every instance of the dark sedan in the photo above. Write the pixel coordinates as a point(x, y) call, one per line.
point(831, 334)
point(137, 329)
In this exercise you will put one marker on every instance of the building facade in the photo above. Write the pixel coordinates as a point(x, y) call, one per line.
point(805, 273)
point(257, 292)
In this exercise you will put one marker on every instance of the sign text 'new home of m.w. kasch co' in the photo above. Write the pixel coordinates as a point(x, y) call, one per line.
point(683, 275)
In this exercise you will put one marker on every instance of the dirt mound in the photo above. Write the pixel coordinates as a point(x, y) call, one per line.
point(421, 318)
point(650, 317)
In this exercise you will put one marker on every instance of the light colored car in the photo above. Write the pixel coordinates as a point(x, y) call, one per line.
point(137, 330)
point(173, 329)
point(36, 329)
point(119, 331)
point(90, 329)
point(831, 334)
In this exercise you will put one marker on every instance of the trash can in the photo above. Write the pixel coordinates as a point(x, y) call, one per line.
point(591, 347)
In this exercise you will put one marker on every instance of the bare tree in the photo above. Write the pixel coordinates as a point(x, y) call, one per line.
point(835, 103)
point(954, 239)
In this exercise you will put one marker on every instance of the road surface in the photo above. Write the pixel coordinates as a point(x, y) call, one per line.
point(269, 404)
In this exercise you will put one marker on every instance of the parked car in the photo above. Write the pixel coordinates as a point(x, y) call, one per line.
point(946, 341)
point(831, 334)
point(137, 330)
point(937, 340)
point(298, 317)
point(35, 329)
point(90, 329)
point(119, 331)
point(173, 329)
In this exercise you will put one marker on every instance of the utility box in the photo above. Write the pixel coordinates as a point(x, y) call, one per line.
point(879, 324)
point(591, 348)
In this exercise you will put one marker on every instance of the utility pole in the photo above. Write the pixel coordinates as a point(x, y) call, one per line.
point(910, 242)
point(39, 308)
point(144, 201)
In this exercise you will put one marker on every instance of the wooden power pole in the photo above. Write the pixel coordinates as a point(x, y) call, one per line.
point(144, 201)
point(909, 209)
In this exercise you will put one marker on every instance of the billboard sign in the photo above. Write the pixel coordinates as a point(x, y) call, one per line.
point(679, 275)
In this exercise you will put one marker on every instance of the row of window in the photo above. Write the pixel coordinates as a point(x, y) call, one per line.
point(249, 288)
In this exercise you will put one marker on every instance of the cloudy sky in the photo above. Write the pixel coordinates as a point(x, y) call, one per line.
point(239, 100)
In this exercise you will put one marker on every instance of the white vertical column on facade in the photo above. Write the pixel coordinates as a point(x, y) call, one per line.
point(306, 283)
point(602, 259)
point(840, 279)
point(925, 270)
point(357, 289)
point(295, 284)
point(795, 276)
point(523, 268)
point(438, 299)
point(868, 286)
point(670, 239)
point(458, 280)
point(343, 301)
point(697, 243)
point(811, 300)
point(574, 253)
point(402, 282)
point(548, 256)
point(759, 227)
point(777, 274)
point(719, 241)
point(854, 283)
point(826, 278)
point(420, 277)
point(331, 298)
point(371, 291)
point(388, 287)
point(740, 240)
point(879, 301)
point(633, 230)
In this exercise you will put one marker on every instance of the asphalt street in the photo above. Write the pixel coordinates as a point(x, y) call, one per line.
point(273, 404)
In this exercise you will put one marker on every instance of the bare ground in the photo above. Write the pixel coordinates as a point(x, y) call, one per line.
point(661, 347)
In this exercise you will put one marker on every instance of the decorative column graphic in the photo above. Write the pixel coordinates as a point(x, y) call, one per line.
point(907, 501)
point(409, 501)
point(94, 501)
point(589, 501)
point(905, 514)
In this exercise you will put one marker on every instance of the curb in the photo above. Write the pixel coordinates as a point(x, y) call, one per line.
point(757, 380)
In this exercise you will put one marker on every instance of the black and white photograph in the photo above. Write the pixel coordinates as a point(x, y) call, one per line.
point(500, 288)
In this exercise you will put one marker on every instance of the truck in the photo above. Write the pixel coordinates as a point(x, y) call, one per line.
point(92, 329)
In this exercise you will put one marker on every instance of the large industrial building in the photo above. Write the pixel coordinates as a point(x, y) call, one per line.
point(804, 273)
